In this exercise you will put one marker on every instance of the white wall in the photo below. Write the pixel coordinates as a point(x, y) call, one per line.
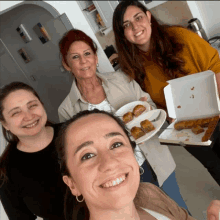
point(211, 16)
point(208, 13)
point(76, 17)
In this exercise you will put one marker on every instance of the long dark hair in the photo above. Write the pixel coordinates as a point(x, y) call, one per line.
point(73, 209)
point(163, 47)
point(11, 139)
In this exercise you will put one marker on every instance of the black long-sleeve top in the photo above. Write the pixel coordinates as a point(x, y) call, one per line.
point(35, 186)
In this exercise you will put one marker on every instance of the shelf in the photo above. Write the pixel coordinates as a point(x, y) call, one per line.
point(153, 4)
point(92, 11)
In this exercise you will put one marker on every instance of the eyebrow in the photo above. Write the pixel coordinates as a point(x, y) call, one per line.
point(134, 17)
point(19, 107)
point(83, 51)
point(88, 143)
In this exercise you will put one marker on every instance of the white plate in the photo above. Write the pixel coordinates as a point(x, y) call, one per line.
point(129, 108)
point(157, 124)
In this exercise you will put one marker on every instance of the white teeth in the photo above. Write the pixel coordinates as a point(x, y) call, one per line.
point(114, 182)
point(138, 34)
point(32, 125)
point(85, 68)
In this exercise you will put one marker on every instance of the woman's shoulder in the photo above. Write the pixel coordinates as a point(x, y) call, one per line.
point(115, 76)
point(182, 33)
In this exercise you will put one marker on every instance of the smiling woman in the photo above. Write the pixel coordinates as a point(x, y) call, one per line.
point(29, 158)
point(98, 164)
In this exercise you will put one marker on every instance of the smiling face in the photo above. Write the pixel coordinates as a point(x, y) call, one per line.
point(24, 114)
point(101, 163)
point(81, 60)
point(137, 27)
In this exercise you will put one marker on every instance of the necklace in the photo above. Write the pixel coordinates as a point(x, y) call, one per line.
point(106, 99)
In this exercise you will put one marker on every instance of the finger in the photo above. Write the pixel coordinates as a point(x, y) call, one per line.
point(143, 98)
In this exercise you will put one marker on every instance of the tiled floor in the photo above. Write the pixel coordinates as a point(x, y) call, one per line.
point(197, 186)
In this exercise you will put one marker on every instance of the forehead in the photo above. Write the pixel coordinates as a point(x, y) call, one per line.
point(17, 97)
point(131, 11)
point(79, 45)
point(91, 127)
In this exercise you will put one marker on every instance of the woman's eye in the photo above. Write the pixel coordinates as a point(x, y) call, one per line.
point(87, 156)
point(139, 18)
point(75, 57)
point(87, 53)
point(126, 25)
point(32, 106)
point(15, 113)
point(116, 145)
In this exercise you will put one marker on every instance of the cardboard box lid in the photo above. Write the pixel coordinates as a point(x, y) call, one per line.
point(193, 96)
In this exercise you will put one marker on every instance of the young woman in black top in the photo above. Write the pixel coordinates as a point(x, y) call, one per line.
point(30, 180)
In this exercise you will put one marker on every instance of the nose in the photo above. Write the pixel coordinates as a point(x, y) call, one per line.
point(134, 25)
point(108, 162)
point(28, 115)
point(83, 59)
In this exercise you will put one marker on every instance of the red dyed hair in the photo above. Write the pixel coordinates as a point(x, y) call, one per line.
point(72, 36)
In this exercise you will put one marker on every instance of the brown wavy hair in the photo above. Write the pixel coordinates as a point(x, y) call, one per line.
point(164, 49)
point(11, 139)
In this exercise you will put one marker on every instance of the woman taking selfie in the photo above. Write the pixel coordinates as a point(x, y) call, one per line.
point(30, 181)
point(109, 92)
point(152, 54)
point(98, 164)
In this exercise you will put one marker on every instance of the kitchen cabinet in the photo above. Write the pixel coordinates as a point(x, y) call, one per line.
point(104, 8)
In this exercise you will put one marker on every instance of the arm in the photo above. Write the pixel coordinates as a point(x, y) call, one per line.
point(14, 206)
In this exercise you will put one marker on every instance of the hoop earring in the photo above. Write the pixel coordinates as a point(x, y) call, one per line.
point(141, 171)
point(97, 64)
point(79, 200)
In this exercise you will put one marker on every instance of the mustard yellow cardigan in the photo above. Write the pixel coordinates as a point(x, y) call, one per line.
point(199, 56)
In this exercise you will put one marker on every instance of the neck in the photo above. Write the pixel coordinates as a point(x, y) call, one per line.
point(36, 142)
point(89, 83)
point(126, 213)
point(144, 47)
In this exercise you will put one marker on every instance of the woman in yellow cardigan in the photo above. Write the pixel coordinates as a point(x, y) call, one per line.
point(152, 54)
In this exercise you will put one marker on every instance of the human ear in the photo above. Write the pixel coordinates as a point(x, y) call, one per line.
point(4, 124)
point(148, 15)
point(65, 65)
point(72, 185)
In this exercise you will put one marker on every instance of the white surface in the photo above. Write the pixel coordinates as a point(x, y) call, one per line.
point(196, 95)
point(203, 87)
point(185, 136)
point(157, 124)
point(129, 108)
